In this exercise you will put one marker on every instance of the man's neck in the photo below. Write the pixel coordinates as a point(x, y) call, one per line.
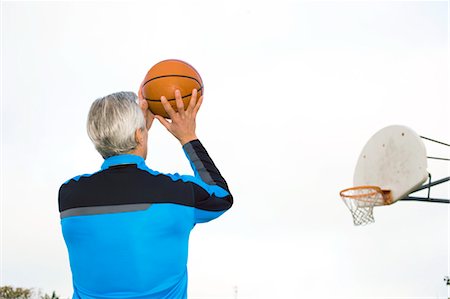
point(139, 151)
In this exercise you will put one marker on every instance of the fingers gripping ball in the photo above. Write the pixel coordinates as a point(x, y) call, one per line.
point(164, 78)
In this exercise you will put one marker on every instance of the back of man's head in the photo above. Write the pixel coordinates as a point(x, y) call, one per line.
point(112, 123)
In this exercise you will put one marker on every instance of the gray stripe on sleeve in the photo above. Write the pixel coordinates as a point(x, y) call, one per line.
point(84, 211)
point(198, 164)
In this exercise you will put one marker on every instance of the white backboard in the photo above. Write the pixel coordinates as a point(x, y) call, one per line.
point(394, 159)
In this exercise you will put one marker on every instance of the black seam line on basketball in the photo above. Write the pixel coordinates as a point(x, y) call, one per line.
point(188, 95)
point(174, 75)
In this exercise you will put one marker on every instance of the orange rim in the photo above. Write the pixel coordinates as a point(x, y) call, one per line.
point(373, 190)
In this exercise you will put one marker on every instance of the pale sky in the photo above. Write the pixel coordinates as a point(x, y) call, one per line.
point(293, 90)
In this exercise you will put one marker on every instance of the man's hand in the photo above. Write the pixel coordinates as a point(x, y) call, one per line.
point(148, 115)
point(182, 124)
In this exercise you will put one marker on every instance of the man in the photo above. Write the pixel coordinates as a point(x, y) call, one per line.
point(127, 226)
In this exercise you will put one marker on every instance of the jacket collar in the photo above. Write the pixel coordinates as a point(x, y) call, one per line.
point(122, 159)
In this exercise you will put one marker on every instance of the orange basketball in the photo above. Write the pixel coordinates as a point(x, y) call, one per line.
point(164, 78)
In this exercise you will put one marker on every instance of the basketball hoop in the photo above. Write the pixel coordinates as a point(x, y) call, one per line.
point(360, 201)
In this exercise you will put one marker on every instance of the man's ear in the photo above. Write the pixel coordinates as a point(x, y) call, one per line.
point(139, 136)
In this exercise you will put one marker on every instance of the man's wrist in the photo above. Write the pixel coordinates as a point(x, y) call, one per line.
point(187, 140)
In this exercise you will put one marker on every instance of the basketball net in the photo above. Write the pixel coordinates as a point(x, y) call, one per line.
point(361, 200)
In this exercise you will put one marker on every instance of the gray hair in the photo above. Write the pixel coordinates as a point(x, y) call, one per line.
point(112, 123)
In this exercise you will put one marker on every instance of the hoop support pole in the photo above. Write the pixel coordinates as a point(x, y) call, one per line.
point(437, 158)
point(426, 199)
point(429, 139)
point(431, 184)
point(428, 186)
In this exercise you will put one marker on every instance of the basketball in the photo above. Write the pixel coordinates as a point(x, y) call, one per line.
point(164, 78)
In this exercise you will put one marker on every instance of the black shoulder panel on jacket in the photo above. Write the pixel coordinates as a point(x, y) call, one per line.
point(123, 184)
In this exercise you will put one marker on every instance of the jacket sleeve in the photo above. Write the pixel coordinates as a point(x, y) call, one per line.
point(210, 190)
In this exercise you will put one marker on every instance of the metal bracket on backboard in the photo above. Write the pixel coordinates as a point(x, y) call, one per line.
point(430, 183)
point(428, 186)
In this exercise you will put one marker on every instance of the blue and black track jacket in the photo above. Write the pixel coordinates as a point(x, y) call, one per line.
point(127, 227)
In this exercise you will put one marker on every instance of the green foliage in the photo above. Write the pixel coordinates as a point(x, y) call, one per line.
point(9, 292)
point(50, 297)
